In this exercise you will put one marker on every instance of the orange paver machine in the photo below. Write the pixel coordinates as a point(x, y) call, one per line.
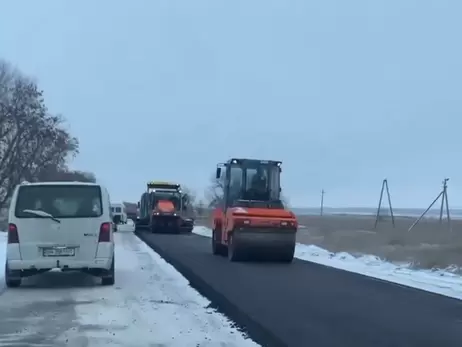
point(161, 208)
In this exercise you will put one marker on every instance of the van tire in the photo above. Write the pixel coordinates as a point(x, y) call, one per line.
point(109, 278)
point(11, 282)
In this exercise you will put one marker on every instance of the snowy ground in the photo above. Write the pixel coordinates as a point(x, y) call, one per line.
point(151, 304)
point(442, 281)
point(129, 227)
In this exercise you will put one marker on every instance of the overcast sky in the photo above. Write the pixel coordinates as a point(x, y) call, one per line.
point(345, 93)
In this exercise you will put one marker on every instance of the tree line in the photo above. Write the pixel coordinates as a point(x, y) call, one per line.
point(34, 143)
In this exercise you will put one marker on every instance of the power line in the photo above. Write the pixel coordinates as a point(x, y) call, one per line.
point(444, 203)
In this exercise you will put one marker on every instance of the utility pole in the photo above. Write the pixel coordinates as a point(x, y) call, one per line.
point(322, 202)
point(384, 188)
point(444, 202)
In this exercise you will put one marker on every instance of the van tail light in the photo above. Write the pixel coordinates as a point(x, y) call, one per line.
point(105, 233)
point(13, 236)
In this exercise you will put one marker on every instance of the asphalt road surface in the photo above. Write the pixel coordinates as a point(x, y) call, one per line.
point(304, 304)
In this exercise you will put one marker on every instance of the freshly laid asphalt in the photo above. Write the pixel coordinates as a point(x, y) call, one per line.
point(309, 305)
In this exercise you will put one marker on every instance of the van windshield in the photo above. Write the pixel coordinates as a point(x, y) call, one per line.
point(61, 201)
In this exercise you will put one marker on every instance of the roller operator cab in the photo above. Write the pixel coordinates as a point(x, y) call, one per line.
point(59, 225)
point(162, 209)
point(251, 221)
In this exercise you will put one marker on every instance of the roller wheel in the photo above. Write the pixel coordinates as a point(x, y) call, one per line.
point(217, 247)
point(234, 254)
point(286, 255)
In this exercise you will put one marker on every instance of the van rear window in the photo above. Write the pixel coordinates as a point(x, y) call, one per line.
point(61, 201)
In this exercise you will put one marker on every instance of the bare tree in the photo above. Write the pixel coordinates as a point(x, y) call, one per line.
point(214, 193)
point(200, 208)
point(188, 197)
point(33, 143)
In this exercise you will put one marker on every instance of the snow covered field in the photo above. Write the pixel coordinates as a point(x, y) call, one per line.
point(441, 282)
point(151, 304)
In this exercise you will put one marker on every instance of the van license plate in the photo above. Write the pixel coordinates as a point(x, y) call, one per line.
point(58, 252)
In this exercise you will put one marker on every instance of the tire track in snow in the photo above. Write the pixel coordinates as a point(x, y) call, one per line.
point(42, 311)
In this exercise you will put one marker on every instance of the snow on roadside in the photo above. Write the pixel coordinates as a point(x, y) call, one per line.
point(151, 303)
point(202, 231)
point(440, 281)
point(129, 227)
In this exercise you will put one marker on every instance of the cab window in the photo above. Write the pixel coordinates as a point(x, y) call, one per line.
point(235, 184)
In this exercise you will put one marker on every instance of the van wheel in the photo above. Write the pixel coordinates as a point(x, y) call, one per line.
point(11, 282)
point(109, 278)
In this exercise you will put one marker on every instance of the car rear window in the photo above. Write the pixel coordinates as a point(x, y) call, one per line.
point(61, 201)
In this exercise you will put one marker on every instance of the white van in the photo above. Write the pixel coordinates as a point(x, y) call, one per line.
point(64, 225)
point(119, 213)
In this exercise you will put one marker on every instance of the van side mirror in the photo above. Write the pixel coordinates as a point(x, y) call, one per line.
point(218, 174)
point(138, 204)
